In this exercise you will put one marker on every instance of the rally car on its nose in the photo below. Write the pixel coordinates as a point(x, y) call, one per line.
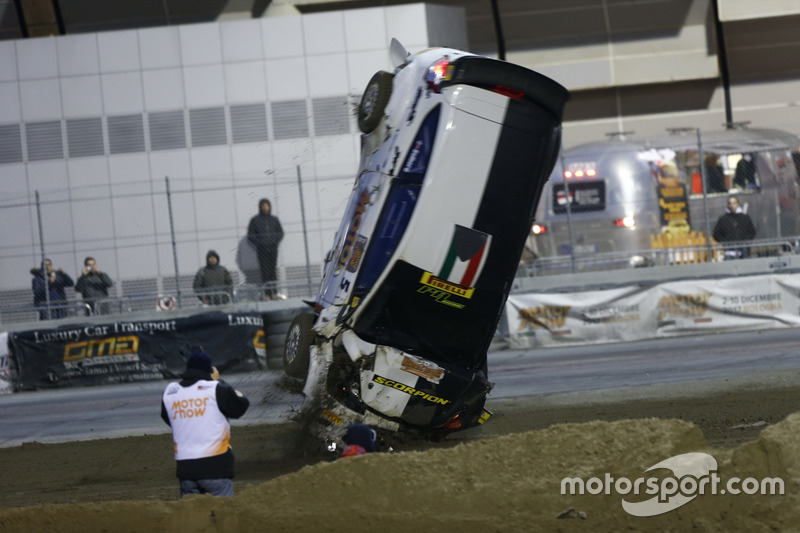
point(454, 154)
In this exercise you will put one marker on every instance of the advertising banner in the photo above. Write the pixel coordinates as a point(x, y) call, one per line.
point(5, 365)
point(669, 309)
point(125, 351)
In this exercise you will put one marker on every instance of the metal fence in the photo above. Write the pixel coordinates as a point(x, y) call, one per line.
point(151, 238)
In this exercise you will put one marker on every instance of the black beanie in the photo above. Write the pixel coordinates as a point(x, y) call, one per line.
point(212, 253)
point(200, 361)
point(362, 435)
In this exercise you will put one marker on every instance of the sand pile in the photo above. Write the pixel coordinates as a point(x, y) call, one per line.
point(508, 483)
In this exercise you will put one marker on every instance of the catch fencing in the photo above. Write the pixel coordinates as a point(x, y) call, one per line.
point(151, 238)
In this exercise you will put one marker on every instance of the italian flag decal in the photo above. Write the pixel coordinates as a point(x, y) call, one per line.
point(466, 256)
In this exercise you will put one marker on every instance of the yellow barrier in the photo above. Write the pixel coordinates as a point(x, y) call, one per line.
point(686, 247)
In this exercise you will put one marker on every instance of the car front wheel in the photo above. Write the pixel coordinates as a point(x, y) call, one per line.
point(374, 100)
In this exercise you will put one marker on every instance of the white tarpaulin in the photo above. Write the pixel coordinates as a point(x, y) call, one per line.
point(670, 309)
point(5, 365)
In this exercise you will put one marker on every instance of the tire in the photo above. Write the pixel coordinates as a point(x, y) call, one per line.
point(275, 346)
point(374, 100)
point(298, 343)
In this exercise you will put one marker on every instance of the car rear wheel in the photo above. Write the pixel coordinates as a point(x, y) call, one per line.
point(374, 100)
point(297, 346)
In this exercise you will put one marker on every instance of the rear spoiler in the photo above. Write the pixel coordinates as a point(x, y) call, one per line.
point(508, 78)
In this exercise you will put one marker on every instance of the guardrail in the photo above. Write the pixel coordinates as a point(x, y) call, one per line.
point(158, 301)
point(663, 255)
point(53, 311)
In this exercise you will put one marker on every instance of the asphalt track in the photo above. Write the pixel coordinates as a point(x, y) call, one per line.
point(133, 409)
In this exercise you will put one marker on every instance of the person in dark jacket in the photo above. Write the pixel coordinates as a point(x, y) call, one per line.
point(745, 175)
point(715, 175)
point(213, 284)
point(49, 284)
point(198, 409)
point(733, 228)
point(93, 284)
point(359, 439)
point(265, 233)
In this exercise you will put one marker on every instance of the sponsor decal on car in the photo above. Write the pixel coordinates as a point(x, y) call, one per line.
point(443, 291)
point(437, 283)
point(357, 253)
point(413, 113)
point(333, 417)
point(440, 296)
point(466, 255)
point(422, 368)
point(411, 391)
point(352, 231)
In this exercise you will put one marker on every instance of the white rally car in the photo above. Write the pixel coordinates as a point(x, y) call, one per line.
point(455, 151)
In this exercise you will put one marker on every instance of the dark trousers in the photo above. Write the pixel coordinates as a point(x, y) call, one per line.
point(267, 263)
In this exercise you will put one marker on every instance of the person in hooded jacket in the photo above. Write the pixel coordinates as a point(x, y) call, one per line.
point(213, 283)
point(265, 234)
point(198, 409)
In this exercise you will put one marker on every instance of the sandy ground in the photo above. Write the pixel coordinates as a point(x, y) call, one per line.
point(503, 476)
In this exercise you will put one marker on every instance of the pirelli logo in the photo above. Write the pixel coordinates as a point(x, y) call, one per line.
point(411, 391)
point(443, 285)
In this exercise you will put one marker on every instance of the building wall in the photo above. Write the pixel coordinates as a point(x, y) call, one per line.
point(645, 66)
point(100, 124)
point(95, 122)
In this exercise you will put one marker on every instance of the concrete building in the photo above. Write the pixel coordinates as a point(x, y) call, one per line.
point(150, 130)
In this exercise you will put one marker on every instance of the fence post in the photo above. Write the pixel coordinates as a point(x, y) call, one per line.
point(305, 232)
point(174, 244)
point(44, 257)
point(569, 215)
point(703, 179)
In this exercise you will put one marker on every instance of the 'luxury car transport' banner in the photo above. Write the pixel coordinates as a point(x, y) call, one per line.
point(133, 350)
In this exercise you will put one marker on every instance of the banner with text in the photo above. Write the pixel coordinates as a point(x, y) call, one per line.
point(670, 309)
point(127, 351)
point(6, 385)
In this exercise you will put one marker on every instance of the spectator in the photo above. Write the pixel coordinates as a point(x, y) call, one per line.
point(198, 409)
point(93, 284)
point(745, 175)
point(360, 439)
point(212, 283)
point(715, 175)
point(733, 228)
point(265, 233)
point(48, 291)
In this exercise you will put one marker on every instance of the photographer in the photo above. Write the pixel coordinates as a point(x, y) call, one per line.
point(201, 436)
point(93, 284)
point(48, 291)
